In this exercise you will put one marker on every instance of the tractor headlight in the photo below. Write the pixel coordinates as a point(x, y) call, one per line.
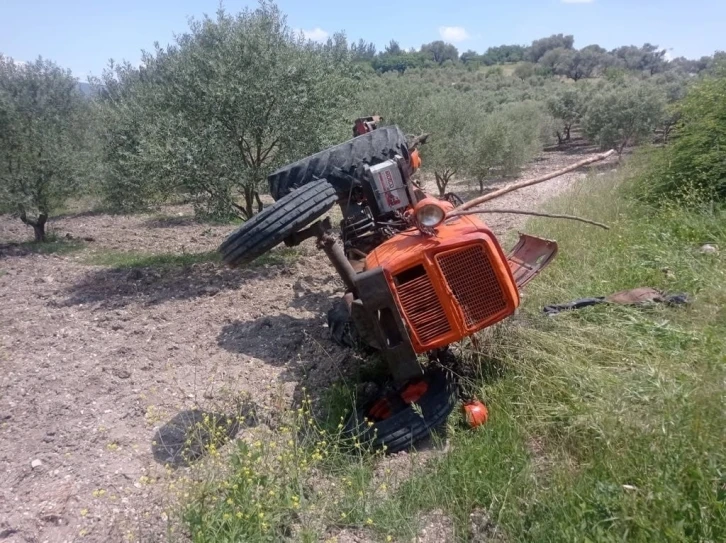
point(429, 213)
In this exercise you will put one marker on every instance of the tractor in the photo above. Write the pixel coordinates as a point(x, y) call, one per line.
point(417, 279)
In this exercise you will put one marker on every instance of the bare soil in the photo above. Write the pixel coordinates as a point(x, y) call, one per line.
point(94, 359)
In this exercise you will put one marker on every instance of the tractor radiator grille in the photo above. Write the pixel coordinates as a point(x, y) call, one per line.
point(421, 305)
point(471, 278)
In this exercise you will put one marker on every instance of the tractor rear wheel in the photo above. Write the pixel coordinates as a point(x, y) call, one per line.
point(399, 420)
point(371, 148)
point(278, 221)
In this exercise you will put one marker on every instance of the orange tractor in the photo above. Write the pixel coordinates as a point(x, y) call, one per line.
point(416, 280)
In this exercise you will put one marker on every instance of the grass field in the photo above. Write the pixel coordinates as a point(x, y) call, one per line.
point(607, 424)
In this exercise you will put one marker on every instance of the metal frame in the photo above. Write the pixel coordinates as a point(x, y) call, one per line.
point(371, 304)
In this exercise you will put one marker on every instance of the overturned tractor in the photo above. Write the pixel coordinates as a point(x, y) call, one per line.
point(419, 273)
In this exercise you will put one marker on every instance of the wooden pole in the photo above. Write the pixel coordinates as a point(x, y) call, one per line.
point(457, 212)
point(530, 182)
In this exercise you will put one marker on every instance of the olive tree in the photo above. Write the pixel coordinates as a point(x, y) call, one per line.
point(566, 106)
point(42, 138)
point(231, 100)
point(506, 139)
point(648, 58)
point(674, 87)
point(448, 118)
point(129, 110)
point(524, 70)
point(539, 47)
point(618, 116)
point(440, 51)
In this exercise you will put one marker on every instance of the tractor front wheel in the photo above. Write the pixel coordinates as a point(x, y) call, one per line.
point(275, 223)
point(398, 420)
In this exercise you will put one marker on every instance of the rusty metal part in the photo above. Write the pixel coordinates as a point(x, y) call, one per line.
point(334, 251)
point(373, 308)
point(315, 230)
point(530, 256)
point(329, 244)
point(476, 413)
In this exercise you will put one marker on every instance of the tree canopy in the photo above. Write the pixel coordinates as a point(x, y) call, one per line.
point(232, 99)
point(621, 115)
point(207, 118)
point(440, 52)
point(43, 140)
point(539, 47)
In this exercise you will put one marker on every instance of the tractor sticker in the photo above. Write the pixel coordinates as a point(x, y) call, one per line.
point(388, 187)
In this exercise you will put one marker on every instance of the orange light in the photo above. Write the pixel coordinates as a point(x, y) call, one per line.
point(476, 413)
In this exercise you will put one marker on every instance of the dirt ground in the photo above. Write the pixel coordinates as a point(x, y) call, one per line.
point(94, 358)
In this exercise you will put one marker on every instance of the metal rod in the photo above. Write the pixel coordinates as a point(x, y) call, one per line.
point(335, 254)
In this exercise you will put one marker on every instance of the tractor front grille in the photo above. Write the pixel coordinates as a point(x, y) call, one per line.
point(471, 277)
point(421, 305)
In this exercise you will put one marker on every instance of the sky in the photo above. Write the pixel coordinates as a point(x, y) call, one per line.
point(84, 34)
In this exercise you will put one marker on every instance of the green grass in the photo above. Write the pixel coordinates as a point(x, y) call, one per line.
point(127, 260)
point(606, 424)
point(52, 245)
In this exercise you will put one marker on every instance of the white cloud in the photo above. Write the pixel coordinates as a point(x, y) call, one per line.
point(577, 1)
point(316, 34)
point(453, 33)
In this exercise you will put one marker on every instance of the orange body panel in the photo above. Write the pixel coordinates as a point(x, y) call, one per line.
point(450, 285)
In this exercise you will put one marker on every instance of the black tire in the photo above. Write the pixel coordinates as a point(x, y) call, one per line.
point(371, 148)
point(278, 221)
point(405, 427)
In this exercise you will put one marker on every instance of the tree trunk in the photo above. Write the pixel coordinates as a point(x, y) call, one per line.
point(259, 202)
point(622, 146)
point(249, 201)
point(442, 181)
point(481, 186)
point(39, 231)
point(541, 179)
point(38, 224)
point(568, 127)
point(242, 211)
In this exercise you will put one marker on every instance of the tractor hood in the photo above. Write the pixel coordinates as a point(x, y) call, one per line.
point(447, 285)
